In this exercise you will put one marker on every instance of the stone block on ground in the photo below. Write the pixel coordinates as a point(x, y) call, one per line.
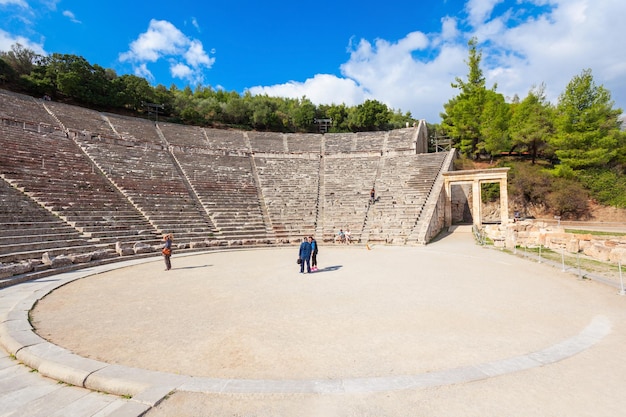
point(123, 250)
point(141, 247)
point(8, 270)
point(55, 261)
point(598, 251)
point(80, 258)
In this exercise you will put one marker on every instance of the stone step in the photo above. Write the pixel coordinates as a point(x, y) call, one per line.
point(25, 393)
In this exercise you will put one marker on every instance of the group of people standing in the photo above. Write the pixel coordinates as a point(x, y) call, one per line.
point(308, 254)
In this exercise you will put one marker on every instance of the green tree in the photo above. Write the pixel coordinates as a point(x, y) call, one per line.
point(588, 128)
point(237, 111)
point(21, 59)
point(7, 73)
point(303, 115)
point(339, 115)
point(494, 127)
point(462, 117)
point(532, 123)
point(264, 113)
point(133, 91)
point(399, 120)
point(369, 116)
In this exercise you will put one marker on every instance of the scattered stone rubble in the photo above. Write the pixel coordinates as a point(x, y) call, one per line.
point(533, 234)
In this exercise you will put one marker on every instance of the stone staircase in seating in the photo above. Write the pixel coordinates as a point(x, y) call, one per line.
point(29, 230)
point(149, 178)
point(226, 186)
point(80, 119)
point(348, 181)
point(52, 172)
point(402, 189)
point(290, 188)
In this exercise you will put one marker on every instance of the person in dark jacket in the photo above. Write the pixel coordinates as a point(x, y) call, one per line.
point(305, 255)
point(314, 253)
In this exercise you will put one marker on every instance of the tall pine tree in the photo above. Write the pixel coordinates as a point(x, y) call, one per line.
point(476, 119)
point(588, 128)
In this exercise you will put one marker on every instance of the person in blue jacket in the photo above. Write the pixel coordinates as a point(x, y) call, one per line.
point(305, 254)
point(313, 253)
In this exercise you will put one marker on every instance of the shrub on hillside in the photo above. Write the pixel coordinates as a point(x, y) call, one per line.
point(529, 185)
point(606, 187)
point(568, 199)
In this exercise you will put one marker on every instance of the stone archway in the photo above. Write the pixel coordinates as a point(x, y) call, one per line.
point(477, 177)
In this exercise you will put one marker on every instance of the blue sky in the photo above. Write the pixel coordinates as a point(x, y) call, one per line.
point(402, 53)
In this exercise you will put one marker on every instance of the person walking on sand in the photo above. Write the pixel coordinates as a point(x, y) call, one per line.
point(167, 250)
point(314, 253)
point(305, 255)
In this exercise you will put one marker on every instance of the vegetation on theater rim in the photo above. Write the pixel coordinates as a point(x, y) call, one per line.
point(572, 151)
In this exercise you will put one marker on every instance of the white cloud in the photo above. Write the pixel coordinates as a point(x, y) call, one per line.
point(553, 48)
point(195, 23)
point(7, 40)
point(71, 16)
point(20, 3)
point(163, 40)
point(449, 29)
point(522, 47)
point(181, 70)
point(480, 10)
point(321, 89)
point(387, 72)
point(195, 55)
point(142, 70)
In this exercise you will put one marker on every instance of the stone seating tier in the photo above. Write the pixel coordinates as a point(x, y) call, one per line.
point(162, 196)
point(339, 142)
point(183, 135)
point(303, 142)
point(22, 245)
point(79, 118)
point(124, 182)
point(401, 139)
point(226, 139)
point(134, 129)
point(22, 107)
point(34, 253)
point(51, 169)
point(267, 142)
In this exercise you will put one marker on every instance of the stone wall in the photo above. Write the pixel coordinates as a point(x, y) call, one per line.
point(533, 234)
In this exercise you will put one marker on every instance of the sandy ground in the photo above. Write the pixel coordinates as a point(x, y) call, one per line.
point(367, 313)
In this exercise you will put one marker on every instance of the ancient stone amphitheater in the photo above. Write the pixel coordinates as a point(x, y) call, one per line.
point(81, 187)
